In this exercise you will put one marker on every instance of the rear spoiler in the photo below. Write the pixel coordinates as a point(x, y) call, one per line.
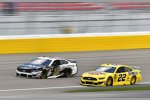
point(72, 60)
point(136, 67)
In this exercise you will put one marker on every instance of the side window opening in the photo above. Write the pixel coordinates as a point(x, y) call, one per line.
point(121, 70)
point(64, 62)
point(56, 63)
point(128, 69)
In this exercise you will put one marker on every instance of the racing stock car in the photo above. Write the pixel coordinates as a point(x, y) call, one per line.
point(47, 67)
point(111, 75)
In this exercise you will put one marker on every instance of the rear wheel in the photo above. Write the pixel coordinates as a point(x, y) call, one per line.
point(109, 81)
point(133, 80)
point(68, 73)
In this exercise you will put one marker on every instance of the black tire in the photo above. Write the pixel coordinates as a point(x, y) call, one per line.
point(44, 74)
point(133, 80)
point(68, 72)
point(109, 81)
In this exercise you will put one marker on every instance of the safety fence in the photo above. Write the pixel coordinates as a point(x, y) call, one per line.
point(80, 17)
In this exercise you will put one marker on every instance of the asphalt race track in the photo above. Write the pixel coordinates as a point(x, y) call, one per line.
point(12, 87)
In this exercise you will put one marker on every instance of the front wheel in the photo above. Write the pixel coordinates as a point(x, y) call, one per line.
point(109, 82)
point(44, 74)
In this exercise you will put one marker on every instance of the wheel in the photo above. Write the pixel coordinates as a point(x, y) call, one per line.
point(109, 81)
point(44, 74)
point(133, 80)
point(68, 73)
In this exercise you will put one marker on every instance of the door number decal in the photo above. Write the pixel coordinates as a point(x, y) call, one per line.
point(121, 77)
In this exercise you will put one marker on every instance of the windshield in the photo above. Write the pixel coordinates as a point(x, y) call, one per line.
point(106, 69)
point(40, 61)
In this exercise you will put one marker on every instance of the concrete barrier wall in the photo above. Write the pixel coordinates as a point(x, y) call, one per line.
point(65, 44)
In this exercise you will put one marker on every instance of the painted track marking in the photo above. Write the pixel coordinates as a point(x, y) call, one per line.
point(44, 88)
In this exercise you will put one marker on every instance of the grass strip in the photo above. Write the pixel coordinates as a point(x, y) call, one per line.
point(120, 88)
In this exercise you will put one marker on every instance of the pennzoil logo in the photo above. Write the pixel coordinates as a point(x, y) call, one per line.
point(94, 73)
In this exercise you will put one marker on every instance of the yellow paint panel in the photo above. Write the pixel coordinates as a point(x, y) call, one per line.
point(74, 44)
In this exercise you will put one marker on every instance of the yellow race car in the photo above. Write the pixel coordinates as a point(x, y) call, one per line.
point(111, 75)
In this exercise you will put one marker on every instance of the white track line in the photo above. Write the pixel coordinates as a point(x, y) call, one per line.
point(74, 35)
point(144, 83)
point(44, 88)
point(48, 88)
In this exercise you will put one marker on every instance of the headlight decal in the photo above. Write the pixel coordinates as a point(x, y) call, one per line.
point(101, 78)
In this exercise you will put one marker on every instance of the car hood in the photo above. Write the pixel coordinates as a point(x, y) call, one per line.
point(30, 66)
point(94, 74)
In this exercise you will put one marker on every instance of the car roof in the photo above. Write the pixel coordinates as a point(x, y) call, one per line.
point(51, 58)
point(113, 65)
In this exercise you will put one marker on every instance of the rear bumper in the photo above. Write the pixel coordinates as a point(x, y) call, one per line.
point(28, 75)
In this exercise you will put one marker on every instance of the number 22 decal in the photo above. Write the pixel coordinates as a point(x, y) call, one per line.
point(121, 77)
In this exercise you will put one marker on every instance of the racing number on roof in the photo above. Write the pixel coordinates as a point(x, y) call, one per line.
point(121, 77)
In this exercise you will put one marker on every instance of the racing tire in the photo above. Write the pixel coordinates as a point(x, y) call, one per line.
point(44, 74)
point(109, 81)
point(133, 80)
point(68, 72)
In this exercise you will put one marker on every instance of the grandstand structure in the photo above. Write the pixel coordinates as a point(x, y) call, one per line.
point(17, 18)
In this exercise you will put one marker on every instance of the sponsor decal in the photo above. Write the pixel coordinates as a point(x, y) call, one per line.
point(94, 73)
point(115, 77)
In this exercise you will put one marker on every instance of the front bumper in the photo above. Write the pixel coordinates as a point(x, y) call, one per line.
point(92, 83)
point(28, 75)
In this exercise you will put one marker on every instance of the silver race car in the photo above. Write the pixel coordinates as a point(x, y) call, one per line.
point(47, 67)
